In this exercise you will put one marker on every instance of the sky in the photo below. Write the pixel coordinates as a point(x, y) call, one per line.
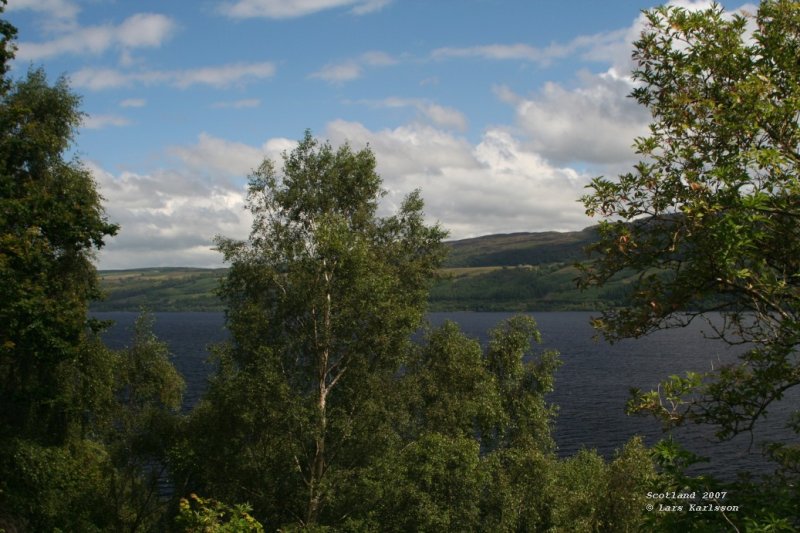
point(499, 111)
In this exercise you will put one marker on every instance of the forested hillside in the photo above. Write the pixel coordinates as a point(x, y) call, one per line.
point(508, 272)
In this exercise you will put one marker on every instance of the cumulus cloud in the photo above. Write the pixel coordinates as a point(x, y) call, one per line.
point(614, 47)
point(351, 69)
point(495, 186)
point(281, 9)
point(221, 76)
point(222, 159)
point(143, 30)
point(445, 117)
point(593, 123)
point(167, 218)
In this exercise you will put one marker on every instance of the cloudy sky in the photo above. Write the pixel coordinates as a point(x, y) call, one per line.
point(501, 111)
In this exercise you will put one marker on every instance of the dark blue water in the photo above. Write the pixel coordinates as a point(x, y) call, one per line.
point(591, 386)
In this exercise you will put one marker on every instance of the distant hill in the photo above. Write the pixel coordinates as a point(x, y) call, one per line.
point(508, 272)
point(514, 249)
point(160, 289)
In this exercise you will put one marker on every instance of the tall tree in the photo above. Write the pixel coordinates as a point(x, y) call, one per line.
point(51, 223)
point(77, 422)
point(710, 217)
point(322, 300)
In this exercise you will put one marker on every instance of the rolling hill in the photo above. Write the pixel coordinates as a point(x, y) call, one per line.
point(506, 272)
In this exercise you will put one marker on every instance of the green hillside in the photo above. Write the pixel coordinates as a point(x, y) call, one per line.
point(509, 272)
point(160, 289)
point(513, 249)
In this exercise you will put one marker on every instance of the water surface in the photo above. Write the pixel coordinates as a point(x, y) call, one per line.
point(591, 386)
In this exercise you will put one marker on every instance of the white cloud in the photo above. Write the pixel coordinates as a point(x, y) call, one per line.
point(351, 69)
point(99, 79)
point(220, 158)
point(593, 123)
point(615, 47)
point(223, 76)
point(167, 218)
point(339, 73)
point(57, 15)
point(282, 9)
point(218, 76)
point(369, 6)
point(133, 102)
point(505, 94)
point(612, 47)
point(92, 40)
point(407, 150)
point(538, 55)
point(495, 186)
point(143, 30)
point(97, 122)
point(445, 117)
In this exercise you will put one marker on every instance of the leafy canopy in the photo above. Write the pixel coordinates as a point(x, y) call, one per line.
point(710, 217)
point(322, 300)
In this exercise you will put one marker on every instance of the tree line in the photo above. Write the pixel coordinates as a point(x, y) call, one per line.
point(323, 414)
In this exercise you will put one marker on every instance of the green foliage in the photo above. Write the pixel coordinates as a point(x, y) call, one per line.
point(709, 217)
point(50, 488)
point(448, 388)
point(433, 483)
point(522, 380)
point(141, 429)
point(323, 416)
point(468, 443)
point(322, 300)
point(83, 430)
point(202, 515)
point(51, 223)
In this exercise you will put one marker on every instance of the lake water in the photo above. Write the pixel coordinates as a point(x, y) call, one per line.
point(591, 386)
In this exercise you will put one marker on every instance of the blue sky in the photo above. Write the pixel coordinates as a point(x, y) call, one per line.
point(500, 111)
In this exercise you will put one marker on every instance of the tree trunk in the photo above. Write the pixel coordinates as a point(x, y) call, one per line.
point(317, 470)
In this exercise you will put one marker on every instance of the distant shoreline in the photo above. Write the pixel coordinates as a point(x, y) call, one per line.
point(511, 272)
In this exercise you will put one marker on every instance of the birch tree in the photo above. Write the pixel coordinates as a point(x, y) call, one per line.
point(322, 300)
